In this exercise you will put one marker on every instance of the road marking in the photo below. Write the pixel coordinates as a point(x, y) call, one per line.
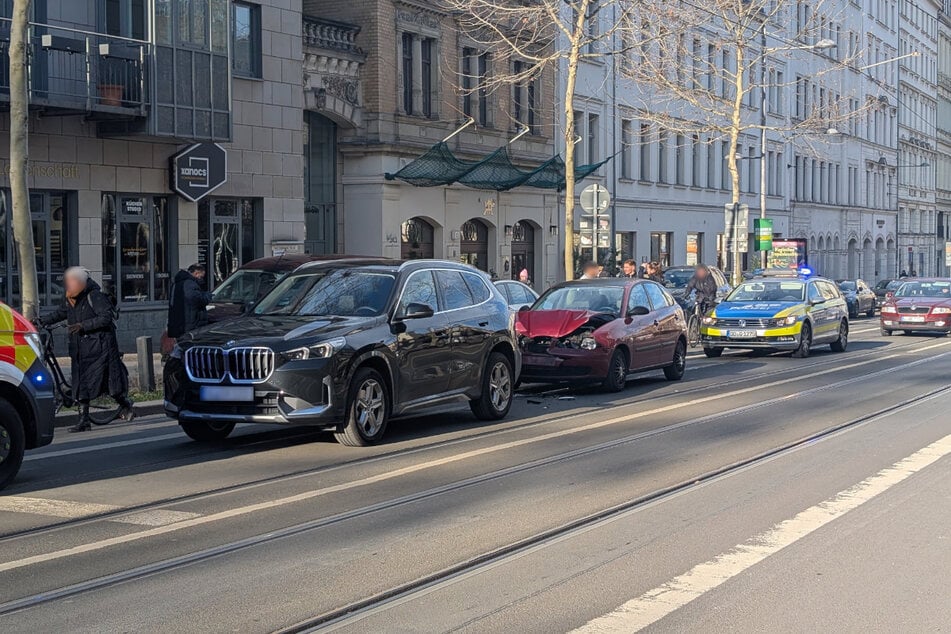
point(656, 604)
point(108, 445)
point(396, 473)
point(69, 509)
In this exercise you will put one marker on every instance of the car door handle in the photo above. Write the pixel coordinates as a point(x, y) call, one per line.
point(656, 323)
point(483, 324)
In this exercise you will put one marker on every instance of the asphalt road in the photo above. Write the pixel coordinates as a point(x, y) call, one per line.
point(761, 493)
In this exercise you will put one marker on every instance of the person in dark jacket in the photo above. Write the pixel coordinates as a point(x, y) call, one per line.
point(187, 305)
point(97, 367)
point(704, 285)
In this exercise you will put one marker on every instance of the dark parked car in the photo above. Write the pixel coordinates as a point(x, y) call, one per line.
point(858, 297)
point(919, 304)
point(677, 277)
point(516, 293)
point(883, 288)
point(602, 330)
point(347, 346)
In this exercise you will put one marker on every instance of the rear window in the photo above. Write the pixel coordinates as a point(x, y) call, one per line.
point(478, 287)
point(455, 292)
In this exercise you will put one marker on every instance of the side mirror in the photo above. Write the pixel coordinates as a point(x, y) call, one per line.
point(416, 311)
point(524, 307)
point(817, 301)
point(247, 308)
point(638, 311)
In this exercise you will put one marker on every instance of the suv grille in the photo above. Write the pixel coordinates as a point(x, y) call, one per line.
point(206, 364)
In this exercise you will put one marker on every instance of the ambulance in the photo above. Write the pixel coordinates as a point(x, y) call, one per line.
point(27, 403)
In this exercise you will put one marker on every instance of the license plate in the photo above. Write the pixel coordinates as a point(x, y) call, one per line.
point(548, 362)
point(226, 394)
point(741, 334)
point(914, 319)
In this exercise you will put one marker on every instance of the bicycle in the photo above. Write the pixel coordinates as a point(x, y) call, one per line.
point(693, 323)
point(62, 390)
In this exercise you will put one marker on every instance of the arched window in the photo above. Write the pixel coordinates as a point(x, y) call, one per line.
point(417, 239)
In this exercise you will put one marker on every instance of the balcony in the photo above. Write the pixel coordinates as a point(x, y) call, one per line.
point(76, 72)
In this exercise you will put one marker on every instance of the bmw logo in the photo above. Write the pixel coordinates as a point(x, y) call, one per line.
point(742, 323)
point(230, 343)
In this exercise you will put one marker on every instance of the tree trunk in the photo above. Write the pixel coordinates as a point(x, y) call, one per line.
point(578, 32)
point(736, 125)
point(19, 157)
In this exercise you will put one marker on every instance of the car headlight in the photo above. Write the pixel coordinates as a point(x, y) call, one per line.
point(321, 350)
point(709, 321)
point(787, 321)
point(588, 343)
point(176, 353)
point(35, 341)
point(941, 310)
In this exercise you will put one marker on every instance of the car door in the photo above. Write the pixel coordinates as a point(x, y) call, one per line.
point(836, 308)
point(422, 345)
point(468, 327)
point(867, 301)
point(641, 330)
point(665, 319)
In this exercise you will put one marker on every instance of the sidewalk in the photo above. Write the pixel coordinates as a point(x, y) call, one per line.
point(131, 362)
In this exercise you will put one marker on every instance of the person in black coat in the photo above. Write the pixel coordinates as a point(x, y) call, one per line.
point(187, 304)
point(97, 367)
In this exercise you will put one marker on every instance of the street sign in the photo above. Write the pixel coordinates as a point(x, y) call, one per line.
point(736, 222)
point(595, 199)
point(199, 170)
point(763, 231)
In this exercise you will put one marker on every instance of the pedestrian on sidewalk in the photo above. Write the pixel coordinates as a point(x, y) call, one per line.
point(188, 303)
point(97, 367)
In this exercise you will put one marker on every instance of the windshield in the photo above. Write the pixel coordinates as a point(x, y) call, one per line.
point(601, 299)
point(246, 285)
point(677, 278)
point(769, 291)
point(846, 286)
point(344, 293)
point(925, 289)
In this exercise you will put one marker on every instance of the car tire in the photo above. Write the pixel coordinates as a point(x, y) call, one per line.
point(12, 442)
point(713, 353)
point(618, 369)
point(871, 311)
point(207, 432)
point(368, 410)
point(886, 332)
point(907, 333)
point(840, 344)
point(497, 389)
point(675, 371)
point(805, 343)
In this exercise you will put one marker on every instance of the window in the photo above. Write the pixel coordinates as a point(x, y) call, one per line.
point(408, 73)
point(419, 289)
point(662, 156)
point(483, 68)
point(475, 67)
point(227, 230)
point(455, 293)
point(426, 75)
point(724, 166)
point(657, 295)
point(477, 287)
point(711, 166)
point(246, 39)
point(525, 97)
point(645, 141)
point(661, 243)
point(124, 18)
point(679, 167)
point(694, 249)
point(593, 133)
point(638, 298)
point(193, 22)
point(695, 161)
point(627, 148)
point(136, 247)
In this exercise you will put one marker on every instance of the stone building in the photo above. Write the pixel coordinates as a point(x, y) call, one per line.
point(117, 90)
point(943, 160)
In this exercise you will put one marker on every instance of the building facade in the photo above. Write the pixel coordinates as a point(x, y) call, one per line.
point(150, 79)
point(943, 154)
point(412, 81)
point(917, 136)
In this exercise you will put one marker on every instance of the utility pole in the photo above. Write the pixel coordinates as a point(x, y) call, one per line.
point(19, 156)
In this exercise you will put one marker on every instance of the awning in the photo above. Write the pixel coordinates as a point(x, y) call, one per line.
point(439, 166)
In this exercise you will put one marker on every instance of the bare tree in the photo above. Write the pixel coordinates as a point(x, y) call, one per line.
point(704, 70)
point(545, 36)
point(19, 157)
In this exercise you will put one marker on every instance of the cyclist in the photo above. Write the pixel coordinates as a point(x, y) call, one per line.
point(705, 287)
point(97, 366)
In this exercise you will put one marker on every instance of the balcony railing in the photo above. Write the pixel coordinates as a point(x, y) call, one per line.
point(80, 71)
point(331, 35)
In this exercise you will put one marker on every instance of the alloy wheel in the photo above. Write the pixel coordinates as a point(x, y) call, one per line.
point(370, 407)
point(500, 386)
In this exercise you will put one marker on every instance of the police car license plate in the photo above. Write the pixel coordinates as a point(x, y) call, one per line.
point(741, 334)
point(914, 319)
point(226, 394)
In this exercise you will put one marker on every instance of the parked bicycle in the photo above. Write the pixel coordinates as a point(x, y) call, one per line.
point(62, 389)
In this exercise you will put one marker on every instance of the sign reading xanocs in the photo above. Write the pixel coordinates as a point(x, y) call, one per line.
point(199, 170)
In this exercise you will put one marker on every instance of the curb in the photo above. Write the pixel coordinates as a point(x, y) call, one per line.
point(145, 408)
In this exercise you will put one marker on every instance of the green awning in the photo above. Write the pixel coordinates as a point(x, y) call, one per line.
point(439, 166)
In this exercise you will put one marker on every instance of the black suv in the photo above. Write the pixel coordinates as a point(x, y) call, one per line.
point(347, 346)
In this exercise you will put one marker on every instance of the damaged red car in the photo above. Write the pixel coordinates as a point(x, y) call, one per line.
point(602, 331)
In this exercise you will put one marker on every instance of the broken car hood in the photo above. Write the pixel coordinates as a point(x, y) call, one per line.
point(552, 323)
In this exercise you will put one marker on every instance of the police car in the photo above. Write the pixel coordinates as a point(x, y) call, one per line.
point(26, 393)
point(778, 310)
